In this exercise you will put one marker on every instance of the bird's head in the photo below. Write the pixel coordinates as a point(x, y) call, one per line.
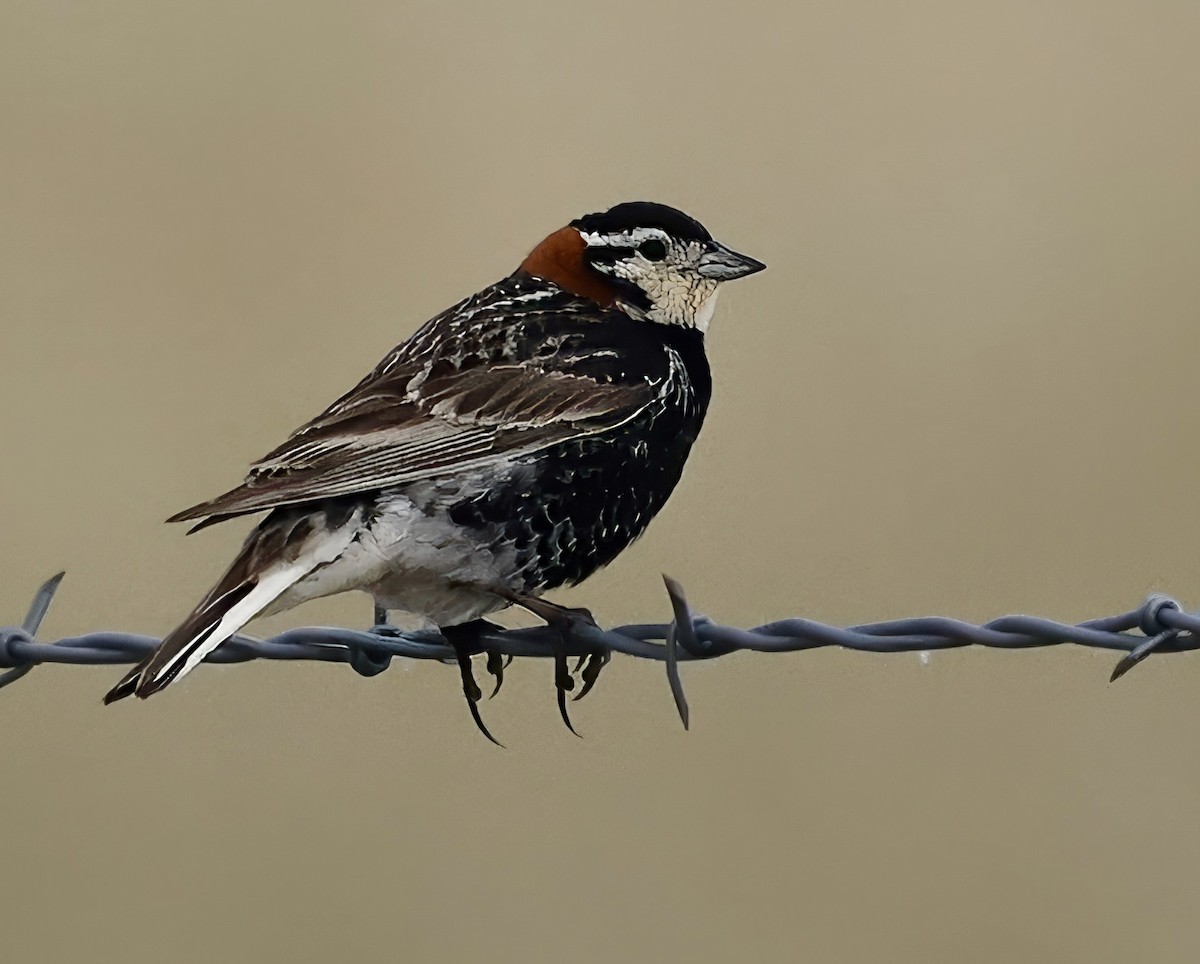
point(648, 260)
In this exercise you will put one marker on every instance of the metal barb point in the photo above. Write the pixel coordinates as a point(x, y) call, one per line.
point(1151, 623)
point(1158, 625)
point(33, 622)
point(41, 603)
point(1140, 652)
point(681, 626)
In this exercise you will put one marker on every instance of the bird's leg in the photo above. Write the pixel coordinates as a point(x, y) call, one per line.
point(382, 626)
point(467, 639)
point(562, 620)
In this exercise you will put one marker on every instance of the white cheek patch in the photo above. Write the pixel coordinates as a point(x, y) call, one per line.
point(705, 312)
point(676, 292)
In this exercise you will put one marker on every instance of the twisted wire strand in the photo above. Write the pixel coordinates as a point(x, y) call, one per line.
point(1159, 624)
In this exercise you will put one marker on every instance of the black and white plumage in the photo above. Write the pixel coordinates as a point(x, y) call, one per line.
point(516, 443)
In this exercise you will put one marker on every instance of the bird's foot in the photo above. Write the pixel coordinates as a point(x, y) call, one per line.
point(467, 639)
point(564, 622)
point(382, 626)
point(589, 668)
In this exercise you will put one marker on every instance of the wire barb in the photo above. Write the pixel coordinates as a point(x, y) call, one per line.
point(33, 622)
point(1158, 625)
point(682, 632)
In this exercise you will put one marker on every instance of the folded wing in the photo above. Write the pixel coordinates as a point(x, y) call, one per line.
point(410, 423)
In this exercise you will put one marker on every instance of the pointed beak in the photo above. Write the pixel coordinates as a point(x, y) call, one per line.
point(722, 264)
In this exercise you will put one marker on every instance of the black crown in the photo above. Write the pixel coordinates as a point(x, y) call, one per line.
point(643, 214)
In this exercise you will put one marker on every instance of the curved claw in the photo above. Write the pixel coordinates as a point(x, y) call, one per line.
point(473, 694)
point(562, 673)
point(562, 711)
point(470, 688)
point(595, 662)
point(481, 725)
point(564, 682)
point(561, 620)
point(495, 666)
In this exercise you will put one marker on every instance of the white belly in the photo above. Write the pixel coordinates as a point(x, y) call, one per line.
point(421, 564)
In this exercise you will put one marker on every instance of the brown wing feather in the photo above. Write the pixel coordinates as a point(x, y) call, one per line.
point(395, 427)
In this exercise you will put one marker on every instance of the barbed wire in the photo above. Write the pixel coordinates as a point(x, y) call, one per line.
point(1159, 624)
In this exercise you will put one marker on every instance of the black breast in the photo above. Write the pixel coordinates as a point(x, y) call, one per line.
point(578, 504)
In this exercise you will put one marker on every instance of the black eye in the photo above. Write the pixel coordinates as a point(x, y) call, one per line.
point(652, 250)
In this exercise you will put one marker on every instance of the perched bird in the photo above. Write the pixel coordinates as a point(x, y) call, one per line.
point(516, 443)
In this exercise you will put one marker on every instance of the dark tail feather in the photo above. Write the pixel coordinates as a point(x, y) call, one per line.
point(285, 547)
point(160, 667)
point(129, 682)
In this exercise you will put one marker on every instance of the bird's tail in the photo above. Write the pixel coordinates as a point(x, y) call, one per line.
point(287, 546)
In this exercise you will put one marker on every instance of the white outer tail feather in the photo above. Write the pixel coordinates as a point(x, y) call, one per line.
point(271, 584)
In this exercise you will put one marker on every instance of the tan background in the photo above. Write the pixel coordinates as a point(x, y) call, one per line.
point(966, 385)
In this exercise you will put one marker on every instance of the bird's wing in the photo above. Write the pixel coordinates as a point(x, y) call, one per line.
point(412, 422)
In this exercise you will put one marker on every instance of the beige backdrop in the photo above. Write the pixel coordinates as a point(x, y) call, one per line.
point(965, 386)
